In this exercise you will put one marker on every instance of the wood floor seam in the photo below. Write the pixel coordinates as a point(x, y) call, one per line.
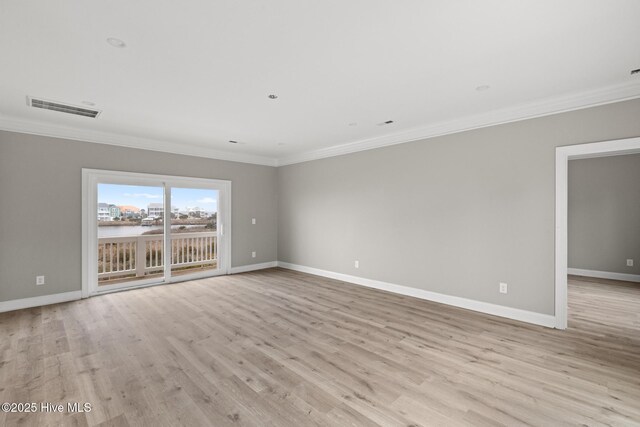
point(282, 348)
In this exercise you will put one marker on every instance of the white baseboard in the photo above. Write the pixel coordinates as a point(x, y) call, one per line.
point(253, 267)
point(18, 304)
point(604, 274)
point(484, 307)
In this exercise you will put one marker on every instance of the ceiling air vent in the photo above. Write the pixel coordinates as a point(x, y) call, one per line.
point(62, 108)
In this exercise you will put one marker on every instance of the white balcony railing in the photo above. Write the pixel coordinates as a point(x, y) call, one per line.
point(142, 255)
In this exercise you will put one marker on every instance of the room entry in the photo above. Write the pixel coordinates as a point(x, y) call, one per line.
point(563, 155)
point(141, 229)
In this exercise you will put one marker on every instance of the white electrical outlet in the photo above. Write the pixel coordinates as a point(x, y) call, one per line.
point(253, 254)
point(356, 264)
point(503, 288)
point(253, 221)
point(39, 280)
point(629, 263)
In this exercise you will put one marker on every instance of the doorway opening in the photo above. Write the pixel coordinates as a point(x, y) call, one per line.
point(604, 243)
point(563, 155)
point(143, 229)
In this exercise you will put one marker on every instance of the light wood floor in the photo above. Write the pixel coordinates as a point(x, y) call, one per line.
point(281, 348)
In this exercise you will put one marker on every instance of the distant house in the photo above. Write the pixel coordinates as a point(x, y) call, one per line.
point(195, 211)
point(104, 212)
point(129, 211)
point(155, 210)
point(114, 211)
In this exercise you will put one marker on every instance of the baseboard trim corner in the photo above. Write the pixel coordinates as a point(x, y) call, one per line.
point(253, 267)
point(19, 304)
point(540, 319)
point(604, 274)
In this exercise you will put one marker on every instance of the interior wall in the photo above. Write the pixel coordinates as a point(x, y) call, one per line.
point(41, 210)
point(455, 214)
point(604, 214)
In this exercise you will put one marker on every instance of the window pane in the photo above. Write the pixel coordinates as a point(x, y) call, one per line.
point(194, 237)
point(130, 233)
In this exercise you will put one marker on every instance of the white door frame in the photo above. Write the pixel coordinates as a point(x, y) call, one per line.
point(90, 179)
point(563, 155)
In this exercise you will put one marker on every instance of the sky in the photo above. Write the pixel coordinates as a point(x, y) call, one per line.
point(140, 196)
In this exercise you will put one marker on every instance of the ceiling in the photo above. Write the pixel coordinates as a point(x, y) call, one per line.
point(196, 74)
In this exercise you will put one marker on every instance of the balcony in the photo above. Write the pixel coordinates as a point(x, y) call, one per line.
point(127, 258)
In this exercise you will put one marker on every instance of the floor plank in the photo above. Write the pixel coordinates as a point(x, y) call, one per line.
point(282, 348)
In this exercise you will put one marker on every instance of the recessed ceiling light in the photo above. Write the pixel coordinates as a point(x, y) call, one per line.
point(273, 96)
point(89, 103)
point(353, 124)
point(116, 42)
point(482, 88)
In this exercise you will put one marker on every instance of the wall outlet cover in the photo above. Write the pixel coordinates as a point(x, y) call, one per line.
point(503, 288)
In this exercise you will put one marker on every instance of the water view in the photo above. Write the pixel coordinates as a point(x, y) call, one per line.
point(131, 243)
point(136, 230)
point(132, 230)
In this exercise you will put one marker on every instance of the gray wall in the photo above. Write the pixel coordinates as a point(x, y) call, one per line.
point(455, 214)
point(40, 206)
point(604, 213)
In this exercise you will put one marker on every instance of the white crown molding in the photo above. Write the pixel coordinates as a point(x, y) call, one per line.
point(56, 131)
point(483, 307)
point(576, 101)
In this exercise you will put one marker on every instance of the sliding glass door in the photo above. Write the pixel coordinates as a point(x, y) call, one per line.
point(194, 231)
point(130, 235)
point(141, 229)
